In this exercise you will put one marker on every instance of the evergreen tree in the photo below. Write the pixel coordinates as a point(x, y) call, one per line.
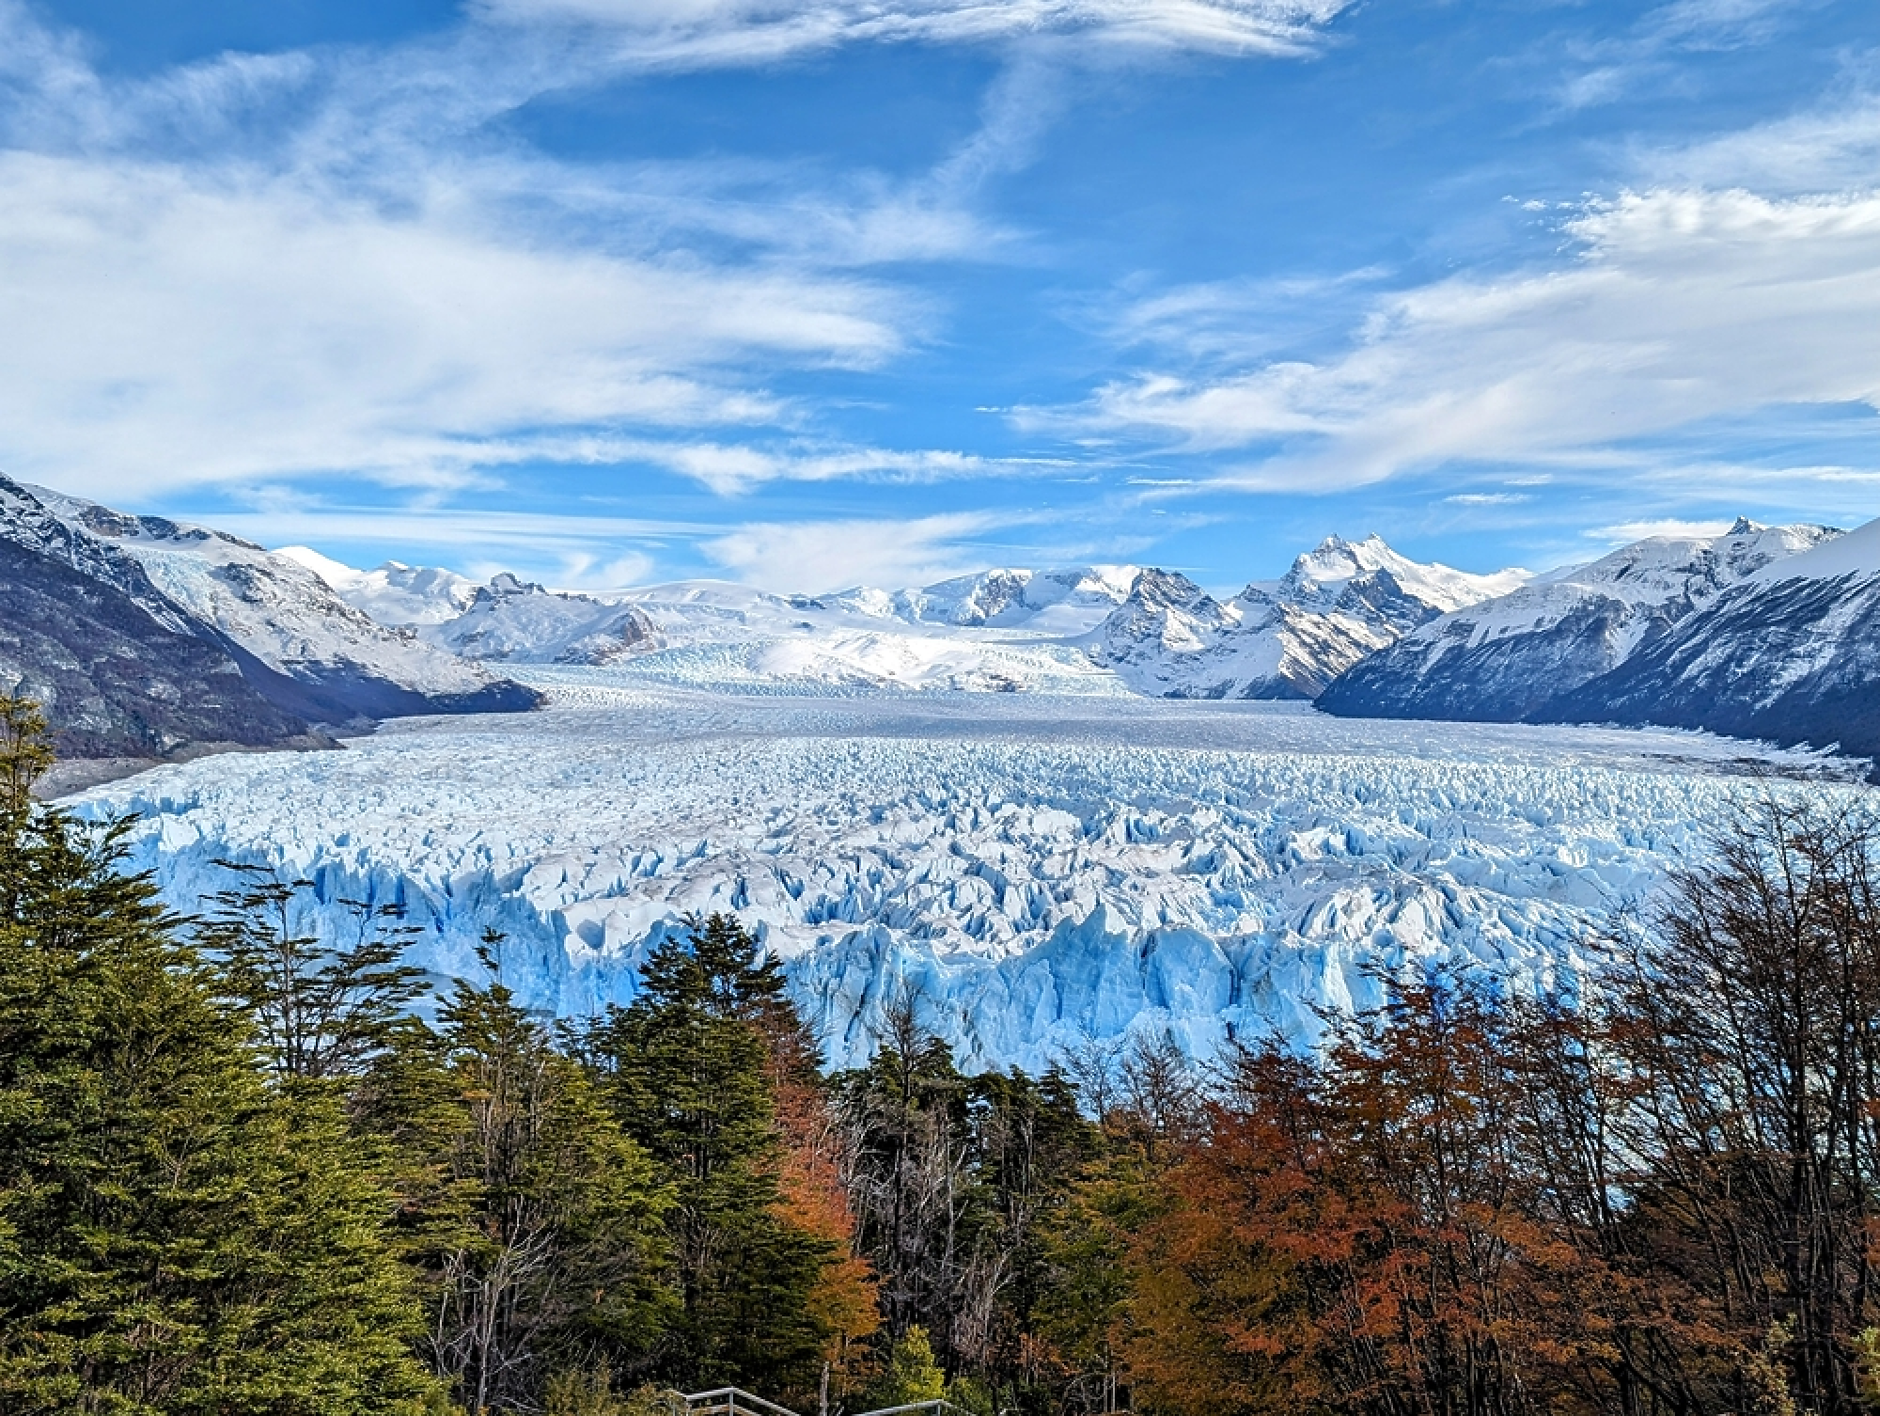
point(688, 1070)
point(911, 1374)
point(175, 1236)
point(536, 1221)
point(321, 1008)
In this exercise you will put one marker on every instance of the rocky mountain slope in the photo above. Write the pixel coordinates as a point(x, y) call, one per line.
point(1764, 631)
point(1790, 654)
point(313, 654)
point(1287, 638)
point(120, 670)
point(146, 638)
point(512, 620)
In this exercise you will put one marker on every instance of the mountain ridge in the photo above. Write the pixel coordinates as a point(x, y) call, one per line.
point(147, 639)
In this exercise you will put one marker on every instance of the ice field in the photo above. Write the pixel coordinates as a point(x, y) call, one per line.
point(1041, 868)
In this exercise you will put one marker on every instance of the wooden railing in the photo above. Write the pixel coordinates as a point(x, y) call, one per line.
point(733, 1401)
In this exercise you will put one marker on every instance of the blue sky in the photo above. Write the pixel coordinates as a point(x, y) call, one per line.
point(813, 294)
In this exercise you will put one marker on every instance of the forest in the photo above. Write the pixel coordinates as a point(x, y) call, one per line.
point(249, 1171)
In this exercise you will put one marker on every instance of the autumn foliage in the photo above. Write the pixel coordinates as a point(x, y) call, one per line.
point(1652, 1195)
point(238, 1176)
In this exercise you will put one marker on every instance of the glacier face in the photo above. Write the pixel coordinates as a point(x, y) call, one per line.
point(1040, 868)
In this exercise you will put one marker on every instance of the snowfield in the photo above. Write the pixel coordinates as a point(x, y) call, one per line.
point(1041, 868)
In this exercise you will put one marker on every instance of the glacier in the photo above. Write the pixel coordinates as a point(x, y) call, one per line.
point(1041, 869)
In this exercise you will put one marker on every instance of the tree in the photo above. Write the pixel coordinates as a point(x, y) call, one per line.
point(1750, 1013)
point(911, 1374)
point(541, 1229)
point(321, 1009)
point(688, 1071)
point(1371, 1230)
point(175, 1236)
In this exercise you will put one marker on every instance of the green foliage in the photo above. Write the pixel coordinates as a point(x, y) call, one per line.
point(544, 1246)
point(910, 1374)
point(592, 1393)
point(175, 1236)
point(320, 1008)
point(687, 1070)
point(956, 1182)
point(972, 1395)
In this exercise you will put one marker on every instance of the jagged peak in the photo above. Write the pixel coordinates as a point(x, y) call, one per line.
point(1155, 586)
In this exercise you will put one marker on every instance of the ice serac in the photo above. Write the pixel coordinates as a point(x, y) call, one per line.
point(120, 671)
point(298, 643)
point(1534, 654)
point(1287, 638)
point(1037, 869)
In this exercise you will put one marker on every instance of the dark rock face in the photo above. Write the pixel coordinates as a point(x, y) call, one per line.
point(125, 670)
point(1797, 661)
point(341, 695)
point(115, 682)
point(1792, 661)
point(1442, 674)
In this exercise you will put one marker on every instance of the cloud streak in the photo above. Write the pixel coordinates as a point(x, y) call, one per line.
point(688, 34)
point(167, 326)
point(816, 556)
point(1680, 305)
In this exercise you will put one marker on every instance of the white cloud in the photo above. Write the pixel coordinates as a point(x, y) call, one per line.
point(702, 33)
point(1627, 532)
point(575, 539)
point(729, 468)
point(1831, 148)
point(1614, 66)
point(585, 571)
point(815, 556)
point(162, 326)
point(1680, 305)
point(266, 266)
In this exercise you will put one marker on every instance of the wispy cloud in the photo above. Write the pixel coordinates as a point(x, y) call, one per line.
point(197, 288)
point(709, 33)
point(1612, 67)
point(1627, 532)
point(173, 326)
point(1829, 147)
point(1678, 305)
point(815, 556)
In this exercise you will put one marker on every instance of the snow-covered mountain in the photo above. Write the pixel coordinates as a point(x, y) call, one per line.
point(1103, 628)
point(1057, 603)
point(1790, 653)
point(395, 594)
point(1526, 655)
point(1002, 630)
point(303, 646)
point(1287, 638)
point(510, 620)
point(121, 671)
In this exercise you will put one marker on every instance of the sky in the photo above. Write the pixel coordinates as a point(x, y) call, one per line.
point(815, 293)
